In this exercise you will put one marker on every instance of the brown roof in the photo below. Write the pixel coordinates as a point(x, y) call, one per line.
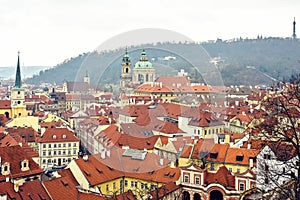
point(164, 190)
point(78, 86)
point(64, 187)
point(244, 153)
point(15, 155)
point(58, 135)
point(5, 104)
point(27, 133)
point(30, 190)
point(222, 176)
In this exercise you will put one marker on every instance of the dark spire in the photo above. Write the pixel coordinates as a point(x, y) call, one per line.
point(126, 57)
point(294, 29)
point(18, 81)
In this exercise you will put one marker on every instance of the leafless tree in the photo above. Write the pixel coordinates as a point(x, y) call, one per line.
point(280, 132)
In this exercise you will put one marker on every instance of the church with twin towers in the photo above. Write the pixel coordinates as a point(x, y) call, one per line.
point(142, 71)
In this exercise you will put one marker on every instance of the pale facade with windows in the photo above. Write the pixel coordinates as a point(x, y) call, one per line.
point(57, 147)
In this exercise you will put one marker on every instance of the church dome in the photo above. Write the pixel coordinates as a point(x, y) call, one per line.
point(143, 62)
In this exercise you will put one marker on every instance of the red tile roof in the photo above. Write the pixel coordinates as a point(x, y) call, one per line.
point(245, 155)
point(5, 104)
point(222, 176)
point(58, 135)
point(30, 190)
point(15, 155)
point(27, 133)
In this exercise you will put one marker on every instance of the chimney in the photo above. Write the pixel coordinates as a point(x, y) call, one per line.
point(108, 153)
point(161, 161)
point(250, 163)
point(20, 144)
point(172, 164)
point(16, 187)
point(103, 155)
point(85, 157)
point(249, 145)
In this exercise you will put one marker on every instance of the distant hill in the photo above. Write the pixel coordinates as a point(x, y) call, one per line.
point(242, 61)
point(27, 71)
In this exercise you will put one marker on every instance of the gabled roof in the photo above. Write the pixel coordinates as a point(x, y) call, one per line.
point(58, 135)
point(222, 176)
point(15, 155)
point(27, 133)
point(243, 153)
point(65, 188)
point(5, 104)
point(28, 190)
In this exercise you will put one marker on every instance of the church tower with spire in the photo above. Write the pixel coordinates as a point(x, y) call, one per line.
point(18, 107)
point(294, 29)
point(125, 78)
point(86, 79)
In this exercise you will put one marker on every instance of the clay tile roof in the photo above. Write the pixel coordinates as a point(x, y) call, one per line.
point(164, 190)
point(232, 154)
point(222, 176)
point(95, 171)
point(27, 133)
point(58, 135)
point(134, 142)
point(64, 187)
point(78, 86)
point(33, 190)
point(124, 196)
point(5, 104)
point(15, 155)
point(7, 188)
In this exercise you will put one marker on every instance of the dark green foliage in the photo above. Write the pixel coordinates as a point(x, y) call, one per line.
point(274, 57)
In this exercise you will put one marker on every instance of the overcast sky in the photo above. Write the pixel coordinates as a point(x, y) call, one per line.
point(49, 31)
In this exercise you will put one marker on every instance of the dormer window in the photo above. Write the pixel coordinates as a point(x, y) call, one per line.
point(6, 169)
point(213, 155)
point(25, 165)
point(54, 137)
point(239, 158)
point(64, 136)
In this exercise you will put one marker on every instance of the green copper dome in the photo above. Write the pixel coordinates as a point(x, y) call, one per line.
point(126, 57)
point(143, 63)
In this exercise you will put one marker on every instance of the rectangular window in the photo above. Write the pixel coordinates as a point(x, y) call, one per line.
point(242, 186)
point(49, 153)
point(44, 145)
point(230, 169)
point(212, 166)
point(59, 152)
point(126, 183)
point(49, 145)
point(186, 178)
point(64, 145)
point(69, 145)
point(114, 185)
point(54, 153)
point(197, 180)
point(74, 152)
point(74, 145)
point(238, 170)
point(44, 153)
point(59, 145)
point(107, 187)
point(54, 145)
point(69, 152)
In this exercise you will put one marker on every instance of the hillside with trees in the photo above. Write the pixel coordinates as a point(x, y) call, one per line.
point(240, 61)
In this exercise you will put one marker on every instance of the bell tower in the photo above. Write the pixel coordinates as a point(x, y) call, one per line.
point(125, 78)
point(18, 95)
